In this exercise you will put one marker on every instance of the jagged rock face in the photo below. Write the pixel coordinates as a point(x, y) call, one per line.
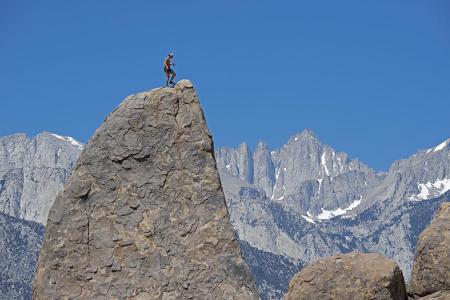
point(143, 215)
point(239, 162)
point(19, 250)
point(306, 166)
point(33, 171)
point(304, 175)
point(431, 269)
point(352, 209)
point(264, 169)
point(350, 276)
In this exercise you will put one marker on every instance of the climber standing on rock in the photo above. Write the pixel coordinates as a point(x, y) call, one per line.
point(170, 73)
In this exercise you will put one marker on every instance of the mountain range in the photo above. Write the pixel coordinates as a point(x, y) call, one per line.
point(293, 205)
point(288, 206)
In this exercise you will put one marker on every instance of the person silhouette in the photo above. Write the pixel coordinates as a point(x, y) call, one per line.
point(170, 73)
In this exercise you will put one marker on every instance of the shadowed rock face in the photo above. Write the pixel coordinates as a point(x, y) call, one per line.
point(143, 215)
point(431, 268)
point(349, 276)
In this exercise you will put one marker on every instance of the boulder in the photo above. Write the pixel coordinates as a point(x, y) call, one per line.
point(441, 295)
point(431, 267)
point(143, 215)
point(349, 276)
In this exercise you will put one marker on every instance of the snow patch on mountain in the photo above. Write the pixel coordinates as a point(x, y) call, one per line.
point(431, 190)
point(329, 214)
point(320, 183)
point(69, 139)
point(323, 162)
point(439, 147)
point(308, 218)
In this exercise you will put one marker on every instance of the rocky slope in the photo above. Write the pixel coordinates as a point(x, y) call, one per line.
point(19, 249)
point(143, 215)
point(32, 172)
point(308, 201)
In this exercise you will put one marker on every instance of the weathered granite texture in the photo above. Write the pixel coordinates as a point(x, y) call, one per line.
point(441, 295)
point(143, 215)
point(431, 268)
point(349, 276)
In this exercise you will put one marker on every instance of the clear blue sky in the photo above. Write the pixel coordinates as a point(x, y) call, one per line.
point(371, 78)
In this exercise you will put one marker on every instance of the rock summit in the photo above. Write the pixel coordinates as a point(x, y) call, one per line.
point(143, 215)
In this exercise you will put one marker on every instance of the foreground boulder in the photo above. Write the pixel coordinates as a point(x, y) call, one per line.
point(349, 276)
point(143, 215)
point(431, 268)
point(441, 295)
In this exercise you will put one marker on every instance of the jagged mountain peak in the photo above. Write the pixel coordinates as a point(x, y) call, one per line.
point(306, 136)
point(14, 136)
point(303, 167)
point(310, 147)
point(442, 146)
point(244, 147)
point(64, 138)
point(424, 175)
point(262, 145)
